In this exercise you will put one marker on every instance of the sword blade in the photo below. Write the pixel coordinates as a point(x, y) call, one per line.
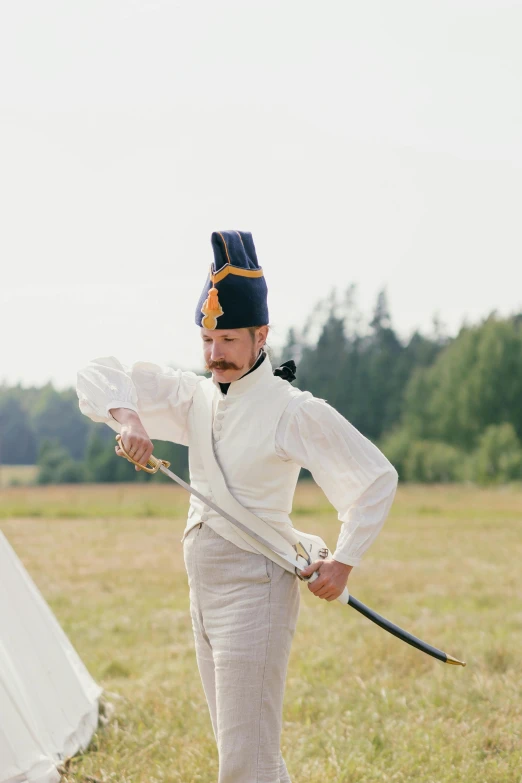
point(229, 517)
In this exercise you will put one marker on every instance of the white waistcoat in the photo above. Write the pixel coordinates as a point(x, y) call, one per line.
point(244, 424)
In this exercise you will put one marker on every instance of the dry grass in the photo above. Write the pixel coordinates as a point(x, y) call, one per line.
point(360, 705)
point(17, 474)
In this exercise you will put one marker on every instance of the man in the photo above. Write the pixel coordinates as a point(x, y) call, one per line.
point(249, 432)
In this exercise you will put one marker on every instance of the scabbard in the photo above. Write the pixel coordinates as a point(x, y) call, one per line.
point(401, 634)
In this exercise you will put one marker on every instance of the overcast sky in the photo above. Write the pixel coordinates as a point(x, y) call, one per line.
point(368, 142)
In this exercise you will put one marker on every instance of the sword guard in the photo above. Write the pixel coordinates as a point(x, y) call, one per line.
point(154, 462)
point(306, 562)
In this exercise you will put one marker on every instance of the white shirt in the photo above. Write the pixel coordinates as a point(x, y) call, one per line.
point(355, 476)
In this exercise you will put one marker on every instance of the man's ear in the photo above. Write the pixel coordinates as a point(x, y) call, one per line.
point(262, 335)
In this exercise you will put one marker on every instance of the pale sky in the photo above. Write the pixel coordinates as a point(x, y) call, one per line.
point(360, 141)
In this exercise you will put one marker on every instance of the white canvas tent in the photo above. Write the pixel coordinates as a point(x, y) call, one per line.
point(48, 700)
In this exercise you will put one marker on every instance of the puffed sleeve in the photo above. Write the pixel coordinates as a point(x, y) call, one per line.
point(161, 396)
point(355, 476)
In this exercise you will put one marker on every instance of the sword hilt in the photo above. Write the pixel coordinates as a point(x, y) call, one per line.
point(154, 462)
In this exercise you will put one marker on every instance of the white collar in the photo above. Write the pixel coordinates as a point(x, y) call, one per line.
point(260, 375)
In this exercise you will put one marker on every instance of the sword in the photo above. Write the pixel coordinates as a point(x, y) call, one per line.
point(297, 563)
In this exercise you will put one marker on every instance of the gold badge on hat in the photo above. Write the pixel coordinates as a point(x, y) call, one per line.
point(211, 308)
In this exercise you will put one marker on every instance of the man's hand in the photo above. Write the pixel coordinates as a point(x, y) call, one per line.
point(134, 437)
point(332, 578)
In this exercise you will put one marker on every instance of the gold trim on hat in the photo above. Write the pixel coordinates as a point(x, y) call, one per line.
point(228, 269)
point(226, 248)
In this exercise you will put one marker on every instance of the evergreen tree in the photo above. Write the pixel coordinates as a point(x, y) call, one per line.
point(18, 443)
point(56, 415)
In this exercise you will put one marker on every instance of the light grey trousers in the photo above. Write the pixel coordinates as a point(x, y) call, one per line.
point(244, 610)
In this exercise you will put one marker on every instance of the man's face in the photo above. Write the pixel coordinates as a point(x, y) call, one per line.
point(230, 353)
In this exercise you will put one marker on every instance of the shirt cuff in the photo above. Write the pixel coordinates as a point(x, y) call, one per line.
point(120, 404)
point(341, 557)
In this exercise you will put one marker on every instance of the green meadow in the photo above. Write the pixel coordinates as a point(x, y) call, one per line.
point(360, 706)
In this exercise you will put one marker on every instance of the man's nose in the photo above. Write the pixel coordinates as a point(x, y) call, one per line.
point(216, 353)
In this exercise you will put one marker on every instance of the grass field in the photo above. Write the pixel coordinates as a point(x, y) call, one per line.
point(360, 706)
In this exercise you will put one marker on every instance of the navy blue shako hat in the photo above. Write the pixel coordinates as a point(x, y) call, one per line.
point(235, 293)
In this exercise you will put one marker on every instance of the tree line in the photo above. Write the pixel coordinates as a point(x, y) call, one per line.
point(441, 408)
point(44, 426)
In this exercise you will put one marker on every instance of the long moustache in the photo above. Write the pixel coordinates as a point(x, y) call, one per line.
point(220, 366)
